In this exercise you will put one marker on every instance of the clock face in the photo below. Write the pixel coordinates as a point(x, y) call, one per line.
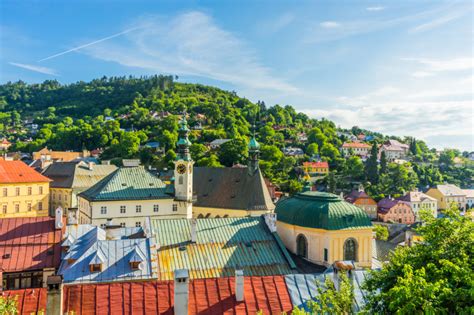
point(181, 168)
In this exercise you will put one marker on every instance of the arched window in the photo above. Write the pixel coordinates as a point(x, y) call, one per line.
point(350, 249)
point(200, 216)
point(302, 246)
point(180, 180)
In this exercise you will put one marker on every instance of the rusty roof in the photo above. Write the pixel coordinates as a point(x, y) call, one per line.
point(29, 244)
point(206, 296)
point(19, 172)
point(221, 246)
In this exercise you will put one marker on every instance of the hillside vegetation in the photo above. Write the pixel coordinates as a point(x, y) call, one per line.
point(121, 114)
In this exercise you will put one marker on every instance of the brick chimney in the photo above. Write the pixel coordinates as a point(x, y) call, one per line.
point(54, 304)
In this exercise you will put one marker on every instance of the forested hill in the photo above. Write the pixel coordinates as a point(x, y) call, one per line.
point(122, 114)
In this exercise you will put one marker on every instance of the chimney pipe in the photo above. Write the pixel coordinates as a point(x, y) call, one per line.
point(239, 285)
point(193, 230)
point(54, 304)
point(58, 218)
point(181, 291)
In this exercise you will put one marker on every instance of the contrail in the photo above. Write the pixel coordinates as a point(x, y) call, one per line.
point(89, 44)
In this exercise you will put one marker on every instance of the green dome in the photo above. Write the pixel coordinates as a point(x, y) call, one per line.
point(321, 210)
point(253, 144)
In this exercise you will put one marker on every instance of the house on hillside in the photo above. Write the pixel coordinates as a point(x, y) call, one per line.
point(420, 201)
point(393, 210)
point(356, 148)
point(294, 152)
point(360, 199)
point(469, 198)
point(394, 149)
point(448, 194)
point(5, 144)
point(215, 144)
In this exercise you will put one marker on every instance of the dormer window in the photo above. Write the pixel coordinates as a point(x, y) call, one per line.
point(95, 267)
point(136, 258)
point(134, 265)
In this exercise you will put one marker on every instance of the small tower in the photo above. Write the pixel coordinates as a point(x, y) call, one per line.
point(254, 152)
point(183, 171)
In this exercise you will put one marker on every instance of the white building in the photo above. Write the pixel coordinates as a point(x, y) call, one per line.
point(394, 150)
point(469, 198)
point(420, 201)
point(129, 195)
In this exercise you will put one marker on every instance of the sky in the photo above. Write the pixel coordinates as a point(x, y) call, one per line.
point(402, 68)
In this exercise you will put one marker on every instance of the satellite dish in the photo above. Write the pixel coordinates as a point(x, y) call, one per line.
point(59, 225)
point(141, 266)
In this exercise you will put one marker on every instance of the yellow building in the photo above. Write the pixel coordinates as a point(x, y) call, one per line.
point(448, 194)
point(322, 228)
point(23, 191)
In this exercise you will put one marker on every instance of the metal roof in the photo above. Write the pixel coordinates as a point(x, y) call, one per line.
point(91, 246)
point(303, 287)
point(231, 188)
point(29, 244)
point(321, 211)
point(127, 183)
point(221, 246)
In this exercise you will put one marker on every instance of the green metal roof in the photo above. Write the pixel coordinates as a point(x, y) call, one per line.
point(253, 144)
point(127, 183)
point(221, 246)
point(321, 211)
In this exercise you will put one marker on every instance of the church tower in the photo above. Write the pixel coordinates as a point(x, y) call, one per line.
point(254, 152)
point(183, 171)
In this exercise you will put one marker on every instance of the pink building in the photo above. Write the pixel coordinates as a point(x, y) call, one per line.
point(397, 211)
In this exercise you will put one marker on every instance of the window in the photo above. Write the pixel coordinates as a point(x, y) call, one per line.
point(134, 265)
point(54, 196)
point(4, 209)
point(40, 190)
point(138, 208)
point(95, 267)
point(326, 254)
point(29, 190)
point(350, 249)
point(103, 210)
point(17, 208)
point(175, 207)
point(65, 197)
point(40, 206)
point(138, 224)
point(123, 209)
point(17, 191)
point(156, 208)
point(59, 197)
point(103, 225)
point(122, 224)
point(28, 206)
point(180, 180)
point(5, 192)
point(302, 246)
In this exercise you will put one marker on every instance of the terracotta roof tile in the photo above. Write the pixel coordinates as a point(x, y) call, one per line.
point(19, 172)
point(29, 244)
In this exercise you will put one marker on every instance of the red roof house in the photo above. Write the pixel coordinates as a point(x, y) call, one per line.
point(19, 172)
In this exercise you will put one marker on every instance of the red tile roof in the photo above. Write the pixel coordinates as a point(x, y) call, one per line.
point(316, 164)
point(355, 145)
point(19, 172)
point(5, 141)
point(29, 244)
point(206, 296)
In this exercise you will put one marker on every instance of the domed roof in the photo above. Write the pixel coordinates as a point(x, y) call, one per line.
point(253, 144)
point(321, 210)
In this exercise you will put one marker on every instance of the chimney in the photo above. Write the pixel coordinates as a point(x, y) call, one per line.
point(239, 285)
point(58, 218)
point(54, 305)
point(193, 230)
point(181, 291)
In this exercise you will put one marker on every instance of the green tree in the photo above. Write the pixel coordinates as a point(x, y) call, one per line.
point(8, 305)
point(197, 151)
point(211, 161)
point(312, 149)
point(431, 277)
point(294, 186)
point(330, 152)
point(381, 232)
point(371, 166)
point(233, 152)
point(315, 135)
point(383, 163)
point(355, 167)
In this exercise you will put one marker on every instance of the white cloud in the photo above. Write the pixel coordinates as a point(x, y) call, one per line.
point(34, 68)
point(377, 8)
point(421, 74)
point(438, 21)
point(276, 24)
point(191, 44)
point(330, 24)
point(438, 65)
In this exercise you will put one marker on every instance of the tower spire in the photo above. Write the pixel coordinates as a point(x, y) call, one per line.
point(183, 143)
point(254, 152)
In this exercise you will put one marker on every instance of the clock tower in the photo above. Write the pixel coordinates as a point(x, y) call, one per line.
point(183, 171)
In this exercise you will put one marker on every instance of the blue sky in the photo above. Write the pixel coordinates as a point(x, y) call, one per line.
point(397, 67)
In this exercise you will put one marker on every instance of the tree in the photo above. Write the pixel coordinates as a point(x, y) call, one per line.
point(312, 149)
point(294, 186)
point(332, 184)
point(331, 300)
point(355, 167)
point(381, 232)
point(383, 163)
point(329, 151)
point(433, 276)
point(211, 161)
point(315, 135)
point(371, 167)
point(8, 305)
point(233, 152)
